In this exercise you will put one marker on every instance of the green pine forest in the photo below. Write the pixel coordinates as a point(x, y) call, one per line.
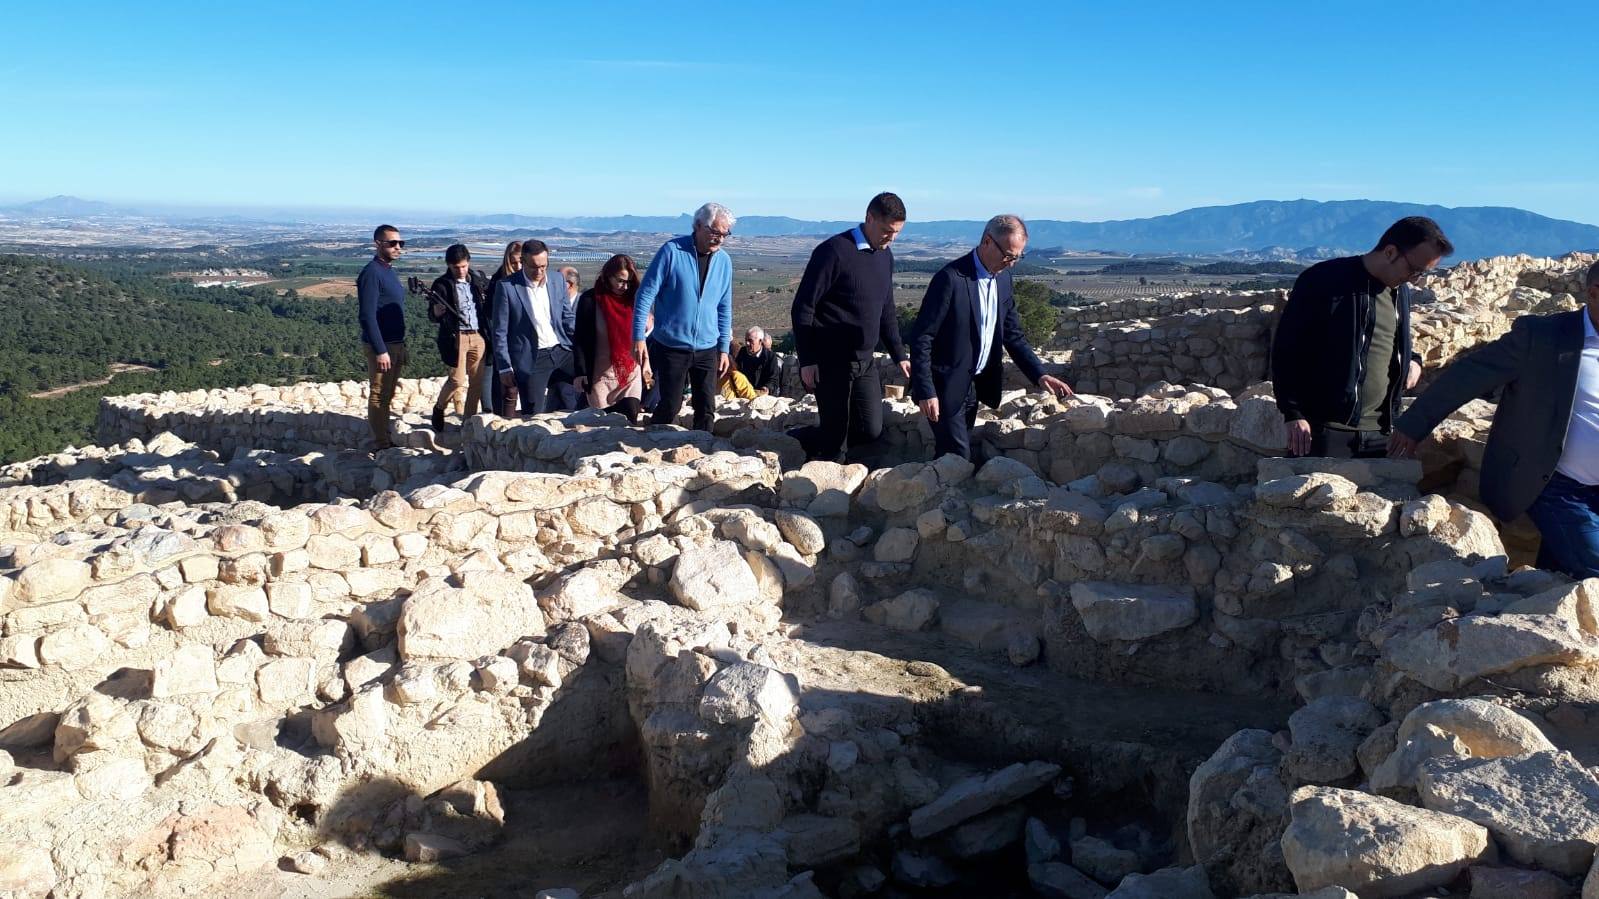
point(64, 324)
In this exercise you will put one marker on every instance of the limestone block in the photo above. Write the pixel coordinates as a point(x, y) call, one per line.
point(26, 869)
point(585, 592)
point(1132, 611)
point(1543, 808)
point(248, 603)
point(49, 580)
point(285, 530)
point(238, 538)
point(714, 576)
point(1578, 602)
point(978, 794)
point(190, 669)
point(896, 545)
point(438, 621)
point(1167, 883)
point(913, 610)
point(1237, 808)
point(746, 690)
point(198, 569)
point(802, 531)
point(1487, 729)
point(75, 647)
point(1373, 846)
point(1326, 733)
point(333, 552)
point(843, 596)
point(1316, 490)
point(289, 599)
point(1460, 650)
point(286, 681)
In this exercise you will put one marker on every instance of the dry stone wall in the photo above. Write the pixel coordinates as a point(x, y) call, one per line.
point(232, 647)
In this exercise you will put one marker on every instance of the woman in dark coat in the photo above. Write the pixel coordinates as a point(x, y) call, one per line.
point(602, 344)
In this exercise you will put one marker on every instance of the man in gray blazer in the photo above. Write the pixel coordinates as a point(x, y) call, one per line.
point(1542, 456)
point(532, 329)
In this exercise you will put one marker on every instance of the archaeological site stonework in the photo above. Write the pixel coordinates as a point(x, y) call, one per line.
point(1133, 652)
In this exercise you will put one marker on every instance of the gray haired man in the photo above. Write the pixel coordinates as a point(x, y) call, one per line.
point(689, 288)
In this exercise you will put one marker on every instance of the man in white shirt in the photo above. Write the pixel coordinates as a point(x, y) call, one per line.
point(532, 329)
point(1542, 456)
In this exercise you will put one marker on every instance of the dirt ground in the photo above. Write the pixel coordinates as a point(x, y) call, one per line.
point(589, 836)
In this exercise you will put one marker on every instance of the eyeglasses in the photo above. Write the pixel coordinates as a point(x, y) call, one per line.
point(716, 235)
point(623, 280)
point(394, 243)
point(1007, 258)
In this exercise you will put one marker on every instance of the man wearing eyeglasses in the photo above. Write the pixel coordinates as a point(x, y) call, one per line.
point(381, 302)
point(757, 362)
point(1342, 354)
point(689, 288)
point(843, 308)
point(968, 313)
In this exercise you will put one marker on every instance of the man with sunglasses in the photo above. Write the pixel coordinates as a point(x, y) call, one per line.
point(689, 288)
point(1342, 354)
point(381, 302)
point(843, 308)
point(968, 313)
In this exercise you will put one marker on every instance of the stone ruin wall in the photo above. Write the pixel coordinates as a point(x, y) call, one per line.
point(228, 639)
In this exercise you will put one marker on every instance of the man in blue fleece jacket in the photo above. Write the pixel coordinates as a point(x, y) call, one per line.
point(689, 288)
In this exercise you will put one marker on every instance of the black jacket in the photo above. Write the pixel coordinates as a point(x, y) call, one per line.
point(944, 340)
point(586, 336)
point(443, 293)
point(1318, 356)
point(760, 370)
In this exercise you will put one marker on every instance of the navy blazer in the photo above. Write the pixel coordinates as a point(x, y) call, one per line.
point(516, 343)
point(1536, 366)
point(944, 340)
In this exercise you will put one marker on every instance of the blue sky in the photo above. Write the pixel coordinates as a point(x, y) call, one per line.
point(1054, 110)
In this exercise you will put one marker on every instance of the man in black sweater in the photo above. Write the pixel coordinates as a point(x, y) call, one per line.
point(844, 306)
point(1342, 355)
point(757, 362)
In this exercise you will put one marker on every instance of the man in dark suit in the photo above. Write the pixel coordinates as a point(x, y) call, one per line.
point(968, 313)
point(1542, 456)
point(533, 329)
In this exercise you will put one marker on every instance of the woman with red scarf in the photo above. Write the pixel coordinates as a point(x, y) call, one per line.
point(602, 346)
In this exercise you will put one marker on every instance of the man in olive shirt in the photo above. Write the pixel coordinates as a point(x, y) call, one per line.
point(1342, 354)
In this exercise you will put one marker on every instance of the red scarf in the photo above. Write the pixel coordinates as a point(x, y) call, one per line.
point(619, 334)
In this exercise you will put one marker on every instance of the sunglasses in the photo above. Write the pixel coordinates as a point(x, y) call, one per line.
point(394, 243)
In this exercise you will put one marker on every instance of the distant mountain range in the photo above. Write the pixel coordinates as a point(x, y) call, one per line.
point(1261, 230)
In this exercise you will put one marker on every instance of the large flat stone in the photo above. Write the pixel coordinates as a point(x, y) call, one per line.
point(1453, 653)
point(1373, 846)
point(1543, 807)
point(975, 795)
point(1132, 611)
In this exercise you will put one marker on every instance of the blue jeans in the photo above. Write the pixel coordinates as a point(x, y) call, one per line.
point(1567, 516)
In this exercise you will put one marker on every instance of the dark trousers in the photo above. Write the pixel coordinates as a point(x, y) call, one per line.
point(952, 433)
point(849, 403)
point(534, 386)
point(1336, 443)
point(698, 368)
point(1567, 516)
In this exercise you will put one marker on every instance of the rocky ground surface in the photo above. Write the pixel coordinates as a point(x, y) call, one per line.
point(1131, 654)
